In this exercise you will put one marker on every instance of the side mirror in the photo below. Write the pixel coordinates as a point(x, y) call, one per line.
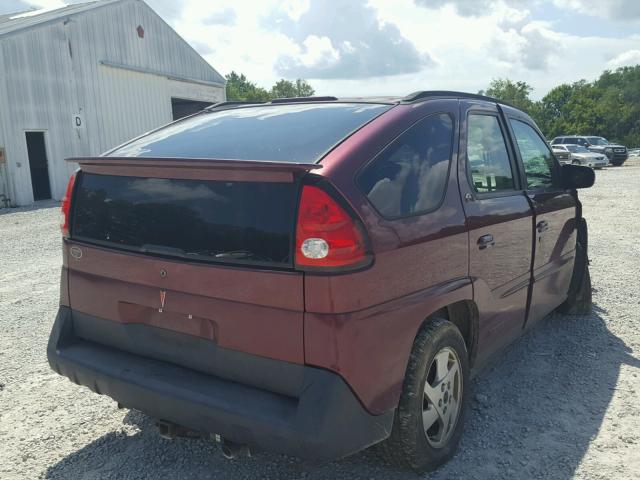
point(577, 176)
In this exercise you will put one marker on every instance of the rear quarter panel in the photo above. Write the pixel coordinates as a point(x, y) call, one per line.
point(362, 325)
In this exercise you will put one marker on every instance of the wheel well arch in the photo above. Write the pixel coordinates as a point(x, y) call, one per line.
point(464, 315)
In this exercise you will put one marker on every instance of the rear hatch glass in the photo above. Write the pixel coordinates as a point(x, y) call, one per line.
point(300, 133)
point(200, 220)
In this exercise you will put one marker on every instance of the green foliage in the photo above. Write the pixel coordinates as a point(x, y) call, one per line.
point(515, 93)
point(286, 89)
point(239, 88)
point(607, 107)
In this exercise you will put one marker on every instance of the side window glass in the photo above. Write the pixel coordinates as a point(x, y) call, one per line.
point(488, 160)
point(537, 158)
point(410, 175)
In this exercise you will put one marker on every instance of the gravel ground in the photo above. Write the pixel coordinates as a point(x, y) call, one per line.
point(562, 402)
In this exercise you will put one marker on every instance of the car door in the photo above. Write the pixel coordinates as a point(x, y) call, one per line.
point(499, 222)
point(554, 210)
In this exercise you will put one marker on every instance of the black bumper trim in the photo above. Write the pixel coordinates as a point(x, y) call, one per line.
point(325, 422)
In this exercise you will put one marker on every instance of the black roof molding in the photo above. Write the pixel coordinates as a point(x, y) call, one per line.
point(230, 103)
point(326, 98)
point(429, 94)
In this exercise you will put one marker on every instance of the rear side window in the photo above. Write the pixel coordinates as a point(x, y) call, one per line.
point(213, 221)
point(537, 158)
point(487, 157)
point(299, 133)
point(409, 177)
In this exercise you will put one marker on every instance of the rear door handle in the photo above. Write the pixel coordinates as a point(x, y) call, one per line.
point(542, 226)
point(486, 241)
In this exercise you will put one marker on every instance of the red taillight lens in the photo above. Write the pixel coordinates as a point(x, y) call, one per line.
point(66, 205)
point(326, 235)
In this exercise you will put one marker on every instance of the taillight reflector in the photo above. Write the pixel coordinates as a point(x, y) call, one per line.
point(326, 235)
point(66, 206)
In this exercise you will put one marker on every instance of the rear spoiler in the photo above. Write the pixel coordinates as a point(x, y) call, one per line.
point(195, 168)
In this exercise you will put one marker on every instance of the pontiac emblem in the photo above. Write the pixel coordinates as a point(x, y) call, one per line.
point(163, 294)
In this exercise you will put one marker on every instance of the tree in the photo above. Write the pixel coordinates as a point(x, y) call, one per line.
point(287, 89)
point(515, 93)
point(607, 107)
point(552, 111)
point(239, 88)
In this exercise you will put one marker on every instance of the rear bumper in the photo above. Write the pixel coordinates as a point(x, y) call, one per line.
point(323, 421)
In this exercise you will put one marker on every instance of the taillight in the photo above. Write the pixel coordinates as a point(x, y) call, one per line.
point(326, 235)
point(66, 206)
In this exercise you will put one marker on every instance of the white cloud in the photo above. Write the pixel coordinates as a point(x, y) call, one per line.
point(349, 40)
point(475, 8)
point(627, 10)
point(318, 53)
point(15, 6)
point(242, 45)
point(630, 57)
point(473, 49)
point(295, 8)
point(383, 47)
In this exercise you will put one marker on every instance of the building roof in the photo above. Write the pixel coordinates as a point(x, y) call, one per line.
point(13, 22)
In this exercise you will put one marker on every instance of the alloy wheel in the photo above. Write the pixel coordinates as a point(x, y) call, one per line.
point(442, 399)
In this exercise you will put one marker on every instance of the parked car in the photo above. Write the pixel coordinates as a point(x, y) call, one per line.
point(562, 154)
point(314, 276)
point(617, 154)
point(579, 155)
point(635, 152)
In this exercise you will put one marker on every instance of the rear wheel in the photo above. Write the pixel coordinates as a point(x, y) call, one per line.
point(575, 162)
point(430, 415)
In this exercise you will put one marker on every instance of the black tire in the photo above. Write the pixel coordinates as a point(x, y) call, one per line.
point(408, 446)
point(579, 300)
point(576, 162)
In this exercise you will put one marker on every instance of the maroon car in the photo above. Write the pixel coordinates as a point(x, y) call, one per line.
point(314, 276)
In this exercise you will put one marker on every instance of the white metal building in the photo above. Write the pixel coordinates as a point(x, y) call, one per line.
point(84, 78)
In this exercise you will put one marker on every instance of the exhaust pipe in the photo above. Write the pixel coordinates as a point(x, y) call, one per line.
point(167, 429)
point(231, 449)
point(170, 430)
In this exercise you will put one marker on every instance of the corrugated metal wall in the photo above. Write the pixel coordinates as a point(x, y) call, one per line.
point(52, 72)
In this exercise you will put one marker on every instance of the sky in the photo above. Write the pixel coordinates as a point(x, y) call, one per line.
point(385, 47)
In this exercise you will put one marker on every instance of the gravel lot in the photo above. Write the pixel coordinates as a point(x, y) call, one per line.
point(563, 402)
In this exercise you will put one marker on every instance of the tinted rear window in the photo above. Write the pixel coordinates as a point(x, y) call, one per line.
point(290, 133)
point(214, 221)
point(409, 177)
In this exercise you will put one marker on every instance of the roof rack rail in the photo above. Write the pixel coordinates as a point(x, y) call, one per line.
point(231, 103)
point(425, 94)
point(326, 98)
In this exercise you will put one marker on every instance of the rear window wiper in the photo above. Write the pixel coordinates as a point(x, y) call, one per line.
point(162, 250)
point(233, 254)
point(204, 254)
